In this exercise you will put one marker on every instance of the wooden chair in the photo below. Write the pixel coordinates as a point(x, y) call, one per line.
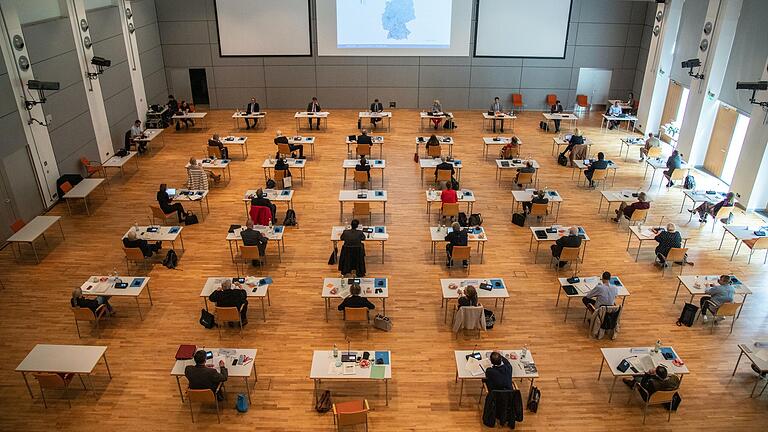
point(658, 398)
point(206, 396)
point(600, 175)
point(279, 176)
point(362, 209)
point(517, 101)
point(726, 310)
point(361, 178)
point(363, 150)
point(757, 244)
point(678, 176)
point(55, 381)
point(350, 414)
point(524, 179)
point(18, 225)
point(134, 255)
point(85, 314)
point(654, 152)
point(284, 150)
point(541, 211)
point(227, 315)
point(723, 213)
point(66, 187)
point(214, 151)
point(357, 316)
point(443, 175)
point(675, 255)
point(569, 254)
point(551, 99)
point(158, 213)
point(434, 151)
point(248, 254)
point(638, 216)
point(449, 210)
point(92, 168)
point(462, 253)
point(583, 102)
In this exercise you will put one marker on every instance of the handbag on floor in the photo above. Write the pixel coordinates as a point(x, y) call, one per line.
point(191, 219)
point(382, 322)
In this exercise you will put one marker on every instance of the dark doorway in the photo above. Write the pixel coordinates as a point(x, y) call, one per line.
point(199, 84)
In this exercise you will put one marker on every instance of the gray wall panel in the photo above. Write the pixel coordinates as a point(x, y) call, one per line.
point(290, 98)
point(65, 105)
point(152, 61)
point(290, 76)
point(115, 80)
point(181, 10)
point(233, 61)
point(393, 61)
point(238, 76)
point(233, 97)
point(340, 61)
point(156, 88)
point(62, 68)
point(73, 140)
point(602, 34)
point(495, 77)
point(393, 76)
point(148, 37)
point(598, 57)
point(143, 13)
point(111, 49)
point(184, 32)
point(186, 55)
point(444, 76)
point(341, 76)
point(688, 38)
point(481, 98)
point(41, 42)
point(120, 106)
point(104, 23)
point(341, 97)
point(635, 35)
point(546, 78)
point(598, 11)
point(13, 134)
point(7, 102)
point(404, 97)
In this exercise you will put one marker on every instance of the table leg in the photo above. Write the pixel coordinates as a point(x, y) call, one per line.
point(26, 382)
point(742, 306)
point(677, 291)
point(263, 310)
point(567, 307)
point(178, 384)
point(610, 395)
point(461, 390)
point(382, 252)
point(384, 305)
point(386, 391)
point(109, 372)
point(602, 362)
point(503, 304)
point(327, 306)
point(138, 306)
point(341, 211)
point(247, 389)
point(34, 249)
point(61, 228)
point(639, 246)
point(741, 353)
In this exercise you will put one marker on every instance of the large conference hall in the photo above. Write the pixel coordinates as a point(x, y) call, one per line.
point(610, 156)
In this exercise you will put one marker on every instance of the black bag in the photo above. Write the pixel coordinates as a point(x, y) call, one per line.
point(562, 159)
point(490, 319)
point(518, 219)
point(462, 219)
point(688, 315)
point(206, 319)
point(191, 219)
point(454, 184)
point(449, 124)
point(533, 399)
point(475, 219)
point(121, 153)
point(541, 125)
point(690, 182)
point(171, 260)
point(290, 218)
point(334, 257)
point(324, 404)
point(271, 184)
point(676, 399)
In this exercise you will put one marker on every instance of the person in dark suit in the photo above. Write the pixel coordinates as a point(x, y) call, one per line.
point(173, 108)
point(376, 107)
point(654, 380)
point(575, 139)
point(132, 240)
point(457, 237)
point(364, 138)
point(498, 376)
point(538, 198)
point(364, 166)
point(444, 165)
point(313, 107)
point(495, 109)
point(557, 108)
point(282, 165)
point(666, 239)
point(226, 296)
point(675, 161)
point(78, 300)
point(252, 108)
point(201, 377)
point(261, 200)
point(528, 168)
point(185, 107)
point(352, 257)
point(354, 300)
point(215, 141)
point(280, 139)
point(571, 240)
point(165, 203)
point(626, 210)
point(252, 237)
point(600, 163)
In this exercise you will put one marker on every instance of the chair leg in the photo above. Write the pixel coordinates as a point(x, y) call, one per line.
point(191, 413)
point(82, 382)
point(66, 395)
point(218, 326)
point(98, 330)
point(218, 416)
point(645, 411)
point(42, 393)
point(240, 321)
point(78, 329)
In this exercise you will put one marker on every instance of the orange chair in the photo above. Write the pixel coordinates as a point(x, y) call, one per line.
point(582, 102)
point(517, 100)
point(19, 224)
point(351, 413)
point(551, 99)
point(91, 168)
point(66, 187)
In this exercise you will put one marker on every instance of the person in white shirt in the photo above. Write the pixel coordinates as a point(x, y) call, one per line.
point(650, 143)
point(136, 133)
point(436, 108)
point(613, 111)
point(496, 108)
point(604, 294)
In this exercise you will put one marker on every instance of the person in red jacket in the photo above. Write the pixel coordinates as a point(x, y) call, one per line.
point(448, 195)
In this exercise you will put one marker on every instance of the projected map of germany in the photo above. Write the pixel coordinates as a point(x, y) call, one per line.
point(397, 14)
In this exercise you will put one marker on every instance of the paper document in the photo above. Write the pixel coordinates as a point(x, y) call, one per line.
point(643, 363)
point(477, 367)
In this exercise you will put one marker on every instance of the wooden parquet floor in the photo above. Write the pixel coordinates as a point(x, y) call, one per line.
point(424, 397)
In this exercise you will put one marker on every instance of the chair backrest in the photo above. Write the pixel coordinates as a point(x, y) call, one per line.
point(662, 396)
point(83, 314)
point(226, 314)
point(517, 99)
point(434, 151)
point(201, 396)
point(66, 187)
point(284, 149)
point(17, 225)
point(524, 178)
point(723, 212)
point(249, 252)
point(676, 254)
point(362, 208)
point(551, 99)
point(279, 175)
point(84, 160)
point(638, 215)
point(470, 318)
point(450, 209)
point(599, 174)
point(361, 177)
point(356, 314)
point(351, 415)
point(539, 209)
point(50, 380)
point(461, 252)
point(569, 253)
point(678, 174)
point(443, 175)
point(363, 149)
point(654, 152)
point(582, 100)
point(728, 309)
point(157, 212)
point(214, 151)
point(134, 254)
point(761, 243)
point(260, 215)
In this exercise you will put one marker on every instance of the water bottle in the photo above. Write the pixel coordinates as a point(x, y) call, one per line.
point(335, 351)
point(525, 352)
point(657, 347)
point(136, 227)
point(349, 153)
point(271, 228)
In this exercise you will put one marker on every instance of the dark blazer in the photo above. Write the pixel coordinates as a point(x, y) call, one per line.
point(576, 139)
point(83, 302)
point(674, 162)
point(253, 237)
point(201, 377)
point(433, 142)
point(234, 297)
point(364, 139)
point(282, 165)
point(377, 107)
point(281, 140)
point(457, 238)
point(499, 377)
point(253, 107)
point(365, 168)
point(352, 237)
point(164, 201)
point(139, 243)
point(264, 202)
point(668, 240)
point(355, 302)
point(565, 241)
point(598, 164)
point(317, 107)
point(445, 166)
point(556, 108)
point(537, 200)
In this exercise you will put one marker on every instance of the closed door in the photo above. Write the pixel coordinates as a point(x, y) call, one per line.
point(720, 140)
point(672, 103)
point(595, 83)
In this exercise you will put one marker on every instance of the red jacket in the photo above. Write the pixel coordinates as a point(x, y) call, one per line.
point(260, 215)
point(449, 196)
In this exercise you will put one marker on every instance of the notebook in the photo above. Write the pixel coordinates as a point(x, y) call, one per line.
point(185, 352)
point(383, 356)
point(378, 371)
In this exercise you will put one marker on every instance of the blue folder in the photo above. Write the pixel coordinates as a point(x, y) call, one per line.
point(383, 355)
point(137, 282)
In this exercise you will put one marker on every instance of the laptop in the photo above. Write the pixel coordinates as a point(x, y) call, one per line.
point(171, 192)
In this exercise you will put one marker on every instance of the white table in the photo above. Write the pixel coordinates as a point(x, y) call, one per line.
point(522, 368)
point(630, 142)
point(377, 140)
point(241, 141)
point(97, 286)
point(322, 115)
point(305, 141)
point(77, 359)
point(624, 196)
point(585, 285)
point(645, 233)
point(697, 285)
point(155, 233)
point(450, 287)
point(120, 161)
point(384, 115)
point(525, 196)
point(375, 164)
point(580, 166)
point(274, 234)
point(215, 164)
point(372, 234)
point(243, 371)
point(613, 357)
point(149, 135)
point(32, 231)
point(740, 233)
point(362, 195)
point(195, 116)
point(261, 115)
point(324, 368)
point(753, 354)
point(699, 196)
point(571, 118)
point(273, 195)
point(444, 141)
point(464, 196)
point(82, 190)
point(559, 141)
point(432, 163)
point(514, 164)
point(251, 284)
point(269, 164)
point(559, 231)
point(373, 288)
point(630, 119)
point(474, 235)
point(489, 120)
point(429, 116)
point(497, 141)
point(187, 195)
point(661, 163)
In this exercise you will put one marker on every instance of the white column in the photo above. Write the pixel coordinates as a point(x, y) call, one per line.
point(81, 33)
point(658, 65)
point(33, 120)
point(134, 65)
point(701, 110)
point(751, 177)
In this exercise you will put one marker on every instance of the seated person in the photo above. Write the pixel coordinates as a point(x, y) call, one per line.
point(674, 161)
point(282, 165)
point(280, 139)
point(201, 377)
point(445, 165)
point(197, 177)
point(363, 166)
point(528, 168)
point(654, 380)
point(252, 237)
point(511, 150)
point(261, 200)
point(457, 237)
point(468, 297)
point(448, 194)
point(627, 210)
point(437, 107)
point(164, 201)
point(78, 300)
point(707, 208)
point(604, 294)
point(614, 111)
point(252, 108)
point(376, 107)
point(173, 109)
point(132, 240)
point(600, 163)
point(432, 141)
point(571, 240)
point(185, 108)
point(215, 141)
point(226, 296)
point(716, 296)
point(539, 197)
point(136, 133)
point(651, 142)
point(352, 256)
point(667, 240)
point(575, 139)
point(364, 138)
point(354, 300)
point(499, 375)
point(578, 152)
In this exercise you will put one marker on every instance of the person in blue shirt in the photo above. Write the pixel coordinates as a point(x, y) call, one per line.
point(675, 161)
point(717, 296)
point(600, 163)
point(499, 375)
point(614, 111)
point(604, 294)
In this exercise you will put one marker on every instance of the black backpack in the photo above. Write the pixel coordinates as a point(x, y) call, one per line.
point(533, 399)
point(490, 319)
point(171, 259)
point(562, 159)
point(475, 219)
point(206, 319)
point(689, 183)
point(688, 315)
point(324, 404)
point(191, 219)
point(462, 219)
point(271, 184)
point(449, 124)
point(518, 219)
point(290, 218)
